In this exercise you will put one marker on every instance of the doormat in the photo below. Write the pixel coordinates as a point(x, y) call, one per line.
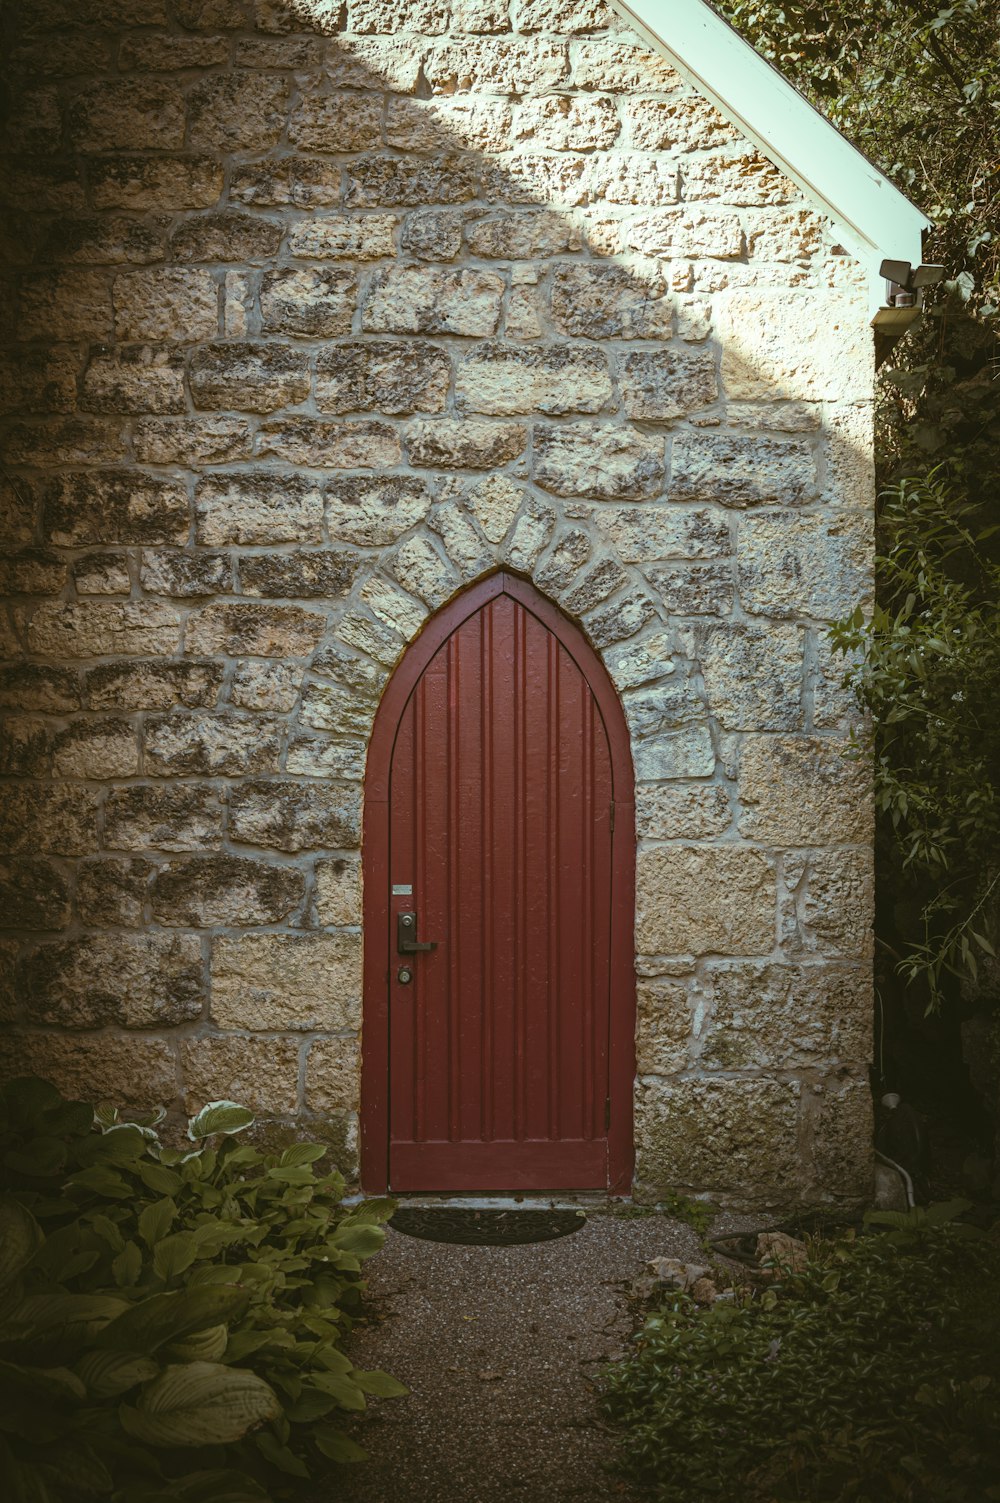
point(485, 1228)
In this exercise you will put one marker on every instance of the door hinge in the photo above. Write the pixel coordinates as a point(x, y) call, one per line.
point(607, 1114)
point(612, 816)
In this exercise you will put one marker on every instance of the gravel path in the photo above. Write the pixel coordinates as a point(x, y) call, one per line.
point(499, 1347)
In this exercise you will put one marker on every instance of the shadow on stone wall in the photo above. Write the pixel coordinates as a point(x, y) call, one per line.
point(311, 328)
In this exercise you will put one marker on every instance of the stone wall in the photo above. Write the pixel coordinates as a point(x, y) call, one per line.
point(317, 312)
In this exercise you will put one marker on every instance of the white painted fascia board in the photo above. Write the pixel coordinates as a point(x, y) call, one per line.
point(875, 219)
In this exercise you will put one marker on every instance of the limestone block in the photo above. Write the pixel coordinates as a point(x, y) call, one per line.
point(343, 237)
point(200, 891)
point(695, 900)
point(433, 234)
point(169, 303)
point(314, 300)
point(494, 503)
point(185, 575)
point(100, 1067)
point(293, 181)
point(338, 891)
point(411, 181)
point(640, 662)
point(191, 441)
point(68, 440)
point(742, 471)
point(333, 1075)
point(210, 745)
point(504, 380)
point(134, 980)
point(615, 66)
point(596, 585)
point(391, 376)
point(102, 574)
point(321, 573)
point(664, 385)
point(795, 234)
point(132, 685)
point(286, 982)
point(37, 381)
point(688, 232)
point(606, 301)
point(162, 817)
point(319, 757)
point(835, 703)
point(643, 533)
point(462, 541)
point(842, 1156)
point(237, 112)
point(805, 565)
point(426, 17)
point(837, 903)
point(375, 510)
point(723, 1135)
point(496, 65)
point(850, 455)
point(781, 1016)
point(289, 816)
point(428, 300)
point(810, 348)
point(24, 746)
point(102, 241)
point(611, 464)
point(331, 444)
point(258, 507)
point(249, 378)
point(103, 629)
point(620, 618)
point(744, 177)
point(381, 63)
point(239, 630)
point(34, 571)
point(163, 54)
point(753, 675)
point(105, 748)
point(687, 123)
point(670, 734)
point(111, 893)
point(466, 444)
point(262, 1074)
point(159, 183)
point(426, 125)
point(480, 15)
point(259, 685)
point(569, 553)
point(127, 114)
point(803, 790)
point(401, 613)
point(632, 177)
point(530, 536)
point(421, 569)
point(229, 236)
point(682, 811)
point(135, 378)
point(276, 18)
point(32, 687)
point(664, 1020)
point(564, 122)
point(54, 818)
point(34, 894)
point(336, 122)
point(523, 236)
point(67, 305)
point(115, 506)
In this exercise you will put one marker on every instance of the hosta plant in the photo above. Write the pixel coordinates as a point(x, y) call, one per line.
point(171, 1319)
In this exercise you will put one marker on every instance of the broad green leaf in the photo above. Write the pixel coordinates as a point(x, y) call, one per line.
point(107, 1374)
point(302, 1153)
point(75, 1316)
point(49, 1383)
point(382, 1385)
point(200, 1346)
point(20, 1239)
point(172, 1315)
point(338, 1446)
point(127, 1266)
point(101, 1181)
point(76, 1469)
point(199, 1404)
point(174, 1254)
point(280, 1456)
point(346, 1392)
point(358, 1239)
point(159, 1178)
point(219, 1116)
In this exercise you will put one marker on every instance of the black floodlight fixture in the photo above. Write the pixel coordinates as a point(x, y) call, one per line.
point(904, 282)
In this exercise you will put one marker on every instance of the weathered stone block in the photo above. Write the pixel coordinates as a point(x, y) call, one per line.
point(391, 376)
point(68, 440)
point(337, 122)
point(192, 441)
point(746, 178)
point(643, 533)
point(682, 811)
point(43, 689)
point(211, 745)
point(111, 893)
point(289, 816)
point(102, 629)
point(619, 67)
point(524, 235)
point(101, 1067)
point(96, 749)
point(379, 63)
point(338, 892)
point(102, 574)
point(503, 380)
point(434, 125)
point(671, 737)
point(496, 65)
point(259, 685)
point(372, 511)
point(606, 301)
point(258, 507)
point(812, 348)
point(121, 505)
point(464, 444)
point(160, 183)
point(742, 471)
point(286, 982)
point(127, 114)
point(185, 575)
point(249, 378)
point(33, 571)
point(664, 1023)
point(659, 387)
point(162, 54)
point(426, 17)
point(837, 902)
point(753, 675)
point(795, 234)
point(321, 757)
point(162, 817)
point(233, 890)
point(239, 630)
point(313, 574)
point(694, 589)
point(620, 618)
point(611, 464)
point(134, 379)
point(331, 444)
point(333, 1075)
point(169, 303)
point(54, 818)
point(102, 241)
point(429, 300)
point(137, 685)
point(494, 503)
point(37, 381)
point(375, 181)
point(642, 660)
point(698, 900)
point(34, 894)
point(237, 112)
point(342, 237)
point(229, 236)
point(737, 1136)
point(24, 746)
point(688, 123)
point(262, 1074)
point(348, 704)
point(842, 1158)
point(782, 1016)
point(301, 182)
point(422, 570)
point(674, 233)
point(433, 234)
point(67, 305)
point(803, 790)
point(315, 300)
point(805, 565)
point(596, 585)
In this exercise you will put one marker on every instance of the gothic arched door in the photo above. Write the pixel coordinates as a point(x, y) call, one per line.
point(499, 829)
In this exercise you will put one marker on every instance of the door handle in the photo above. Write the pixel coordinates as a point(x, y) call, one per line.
point(406, 935)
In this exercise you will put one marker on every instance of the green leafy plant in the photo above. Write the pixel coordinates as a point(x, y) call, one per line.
point(872, 1374)
point(183, 1310)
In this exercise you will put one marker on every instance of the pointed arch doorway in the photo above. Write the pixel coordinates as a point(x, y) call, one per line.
point(499, 830)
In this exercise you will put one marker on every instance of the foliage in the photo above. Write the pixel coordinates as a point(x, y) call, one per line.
point(927, 667)
point(873, 1374)
point(170, 1320)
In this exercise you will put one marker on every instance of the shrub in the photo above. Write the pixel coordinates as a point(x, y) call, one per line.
point(873, 1374)
point(170, 1320)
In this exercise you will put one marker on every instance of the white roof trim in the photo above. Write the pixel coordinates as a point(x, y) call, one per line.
point(875, 220)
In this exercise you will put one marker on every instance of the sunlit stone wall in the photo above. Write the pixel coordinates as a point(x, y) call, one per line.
point(315, 313)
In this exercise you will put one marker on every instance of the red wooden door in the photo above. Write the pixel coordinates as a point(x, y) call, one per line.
point(501, 814)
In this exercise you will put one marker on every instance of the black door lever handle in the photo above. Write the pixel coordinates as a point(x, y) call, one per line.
point(406, 935)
